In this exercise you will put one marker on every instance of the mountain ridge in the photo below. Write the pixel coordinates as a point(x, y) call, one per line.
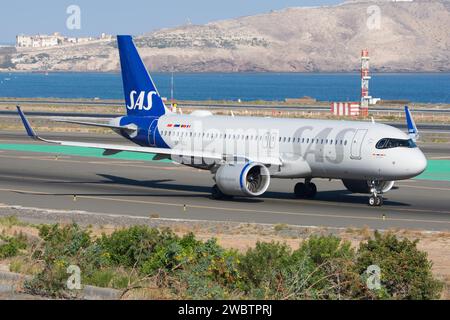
point(412, 37)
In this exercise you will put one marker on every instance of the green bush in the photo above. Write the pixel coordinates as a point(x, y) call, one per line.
point(263, 267)
point(323, 267)
point(63, 241)
point(12, 245)
point(133, 246)
point(61, 247)
point(211, 273)
point(405, 271)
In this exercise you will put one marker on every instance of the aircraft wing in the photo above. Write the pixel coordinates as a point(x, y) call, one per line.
point(128, 129)
point(112, 148)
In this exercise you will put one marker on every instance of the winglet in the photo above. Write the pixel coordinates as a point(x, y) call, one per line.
point(27, 125)
point(412, 129)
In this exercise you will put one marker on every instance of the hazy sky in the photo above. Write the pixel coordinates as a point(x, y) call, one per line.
point(127, 16)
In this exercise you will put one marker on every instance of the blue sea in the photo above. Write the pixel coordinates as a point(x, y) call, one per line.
point(415, 87)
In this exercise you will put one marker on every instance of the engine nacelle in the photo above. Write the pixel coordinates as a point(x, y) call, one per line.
point(362, 186)
point(246, 179)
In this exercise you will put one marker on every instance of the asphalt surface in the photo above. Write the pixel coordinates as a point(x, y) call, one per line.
point(143, 188)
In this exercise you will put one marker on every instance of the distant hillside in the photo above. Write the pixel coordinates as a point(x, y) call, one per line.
point(413, 36)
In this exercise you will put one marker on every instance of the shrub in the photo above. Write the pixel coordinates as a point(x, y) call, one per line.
point(60, 248)
point(211, 272)
point(323, 267)
point(171, 254)
point(263, 268)
point(405, 271)
point(12, 245)
point(63, 241)
point(325, 248)
point(133, 246)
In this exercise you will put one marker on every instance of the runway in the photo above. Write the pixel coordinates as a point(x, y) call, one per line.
point(150, 188)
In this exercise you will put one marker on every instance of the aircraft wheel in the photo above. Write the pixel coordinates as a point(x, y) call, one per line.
point(379, 201)
point(312, 190)
point(375, 201)
point(300, 190)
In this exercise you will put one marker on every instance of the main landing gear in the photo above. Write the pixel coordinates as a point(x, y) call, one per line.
point(307, 190)
point(376, 198)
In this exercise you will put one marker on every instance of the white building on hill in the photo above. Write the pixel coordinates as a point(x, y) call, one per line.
point(56, 39)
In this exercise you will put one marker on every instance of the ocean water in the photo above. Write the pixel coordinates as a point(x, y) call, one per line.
point(415, 87)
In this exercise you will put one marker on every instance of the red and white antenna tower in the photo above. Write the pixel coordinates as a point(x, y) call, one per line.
point(365, 77)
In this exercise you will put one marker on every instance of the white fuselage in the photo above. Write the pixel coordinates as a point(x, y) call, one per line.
point(306, 148)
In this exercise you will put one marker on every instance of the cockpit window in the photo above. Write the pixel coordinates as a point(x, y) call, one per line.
point(388, 143)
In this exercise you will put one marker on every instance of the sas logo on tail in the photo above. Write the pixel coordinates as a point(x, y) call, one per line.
point(138, 101)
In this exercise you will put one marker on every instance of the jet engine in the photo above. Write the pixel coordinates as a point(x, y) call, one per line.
point(363, 186)
point(246, 179)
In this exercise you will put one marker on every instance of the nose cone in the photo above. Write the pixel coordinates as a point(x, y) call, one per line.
point(417, 164)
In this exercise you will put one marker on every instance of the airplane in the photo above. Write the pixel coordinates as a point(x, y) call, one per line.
point(245, 153)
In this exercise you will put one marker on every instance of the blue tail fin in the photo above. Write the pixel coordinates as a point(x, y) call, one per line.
point(141, 96)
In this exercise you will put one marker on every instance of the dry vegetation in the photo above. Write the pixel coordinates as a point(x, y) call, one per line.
point(242, 237)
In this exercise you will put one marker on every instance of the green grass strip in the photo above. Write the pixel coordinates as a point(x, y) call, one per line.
point(79, 151)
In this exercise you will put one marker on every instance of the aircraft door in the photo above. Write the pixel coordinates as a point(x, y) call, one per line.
point(356, 144)
point(270, 143)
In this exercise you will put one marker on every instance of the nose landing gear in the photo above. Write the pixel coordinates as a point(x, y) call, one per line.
point(307, 190)
point(376, 198)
